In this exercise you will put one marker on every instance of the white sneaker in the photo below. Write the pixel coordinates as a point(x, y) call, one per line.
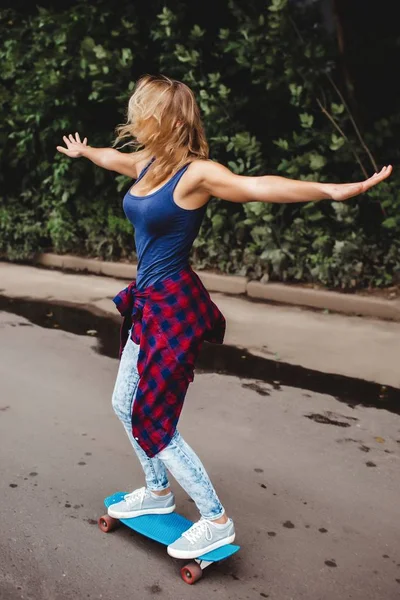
point(142, 502)
point(200, 538)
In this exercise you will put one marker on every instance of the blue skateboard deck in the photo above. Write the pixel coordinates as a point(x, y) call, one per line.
point(165, 529)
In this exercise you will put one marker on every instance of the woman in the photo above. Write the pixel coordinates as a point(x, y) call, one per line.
point(167, 311)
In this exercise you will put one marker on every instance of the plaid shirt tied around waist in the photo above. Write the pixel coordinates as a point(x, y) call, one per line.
point(170, 320)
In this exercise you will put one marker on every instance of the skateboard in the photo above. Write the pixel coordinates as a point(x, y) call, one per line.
point(165, 529)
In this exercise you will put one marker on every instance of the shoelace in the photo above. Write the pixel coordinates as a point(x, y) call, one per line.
point(197, 530)
point(133, 497)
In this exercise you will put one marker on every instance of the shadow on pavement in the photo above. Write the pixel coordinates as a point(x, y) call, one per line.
point(223, 359)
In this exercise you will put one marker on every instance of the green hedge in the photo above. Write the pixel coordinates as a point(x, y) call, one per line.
point(264, 76)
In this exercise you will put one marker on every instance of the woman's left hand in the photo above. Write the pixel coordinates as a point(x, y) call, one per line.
point(343, 191)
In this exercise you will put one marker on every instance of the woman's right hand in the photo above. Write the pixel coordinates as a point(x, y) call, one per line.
point(125, 163)
point(74, 146)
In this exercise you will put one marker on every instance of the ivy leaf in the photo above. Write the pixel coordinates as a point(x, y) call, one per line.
point(99, 51)
point(337, 109)
point(337, 142)
point(390, 223)
point(277, 5)
point(317, 162)
point(306, 120)
point(281, 143)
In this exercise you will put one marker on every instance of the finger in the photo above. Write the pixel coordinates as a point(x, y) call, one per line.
point(71, 137)
point(77, 137)
point(378, 177)
point(66, 140)
point(384, 172)
point(85, 141)
point(62, 149)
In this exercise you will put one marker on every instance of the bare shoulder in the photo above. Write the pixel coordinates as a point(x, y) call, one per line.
point(209, 178)
point(189, 193)
point(199, 169)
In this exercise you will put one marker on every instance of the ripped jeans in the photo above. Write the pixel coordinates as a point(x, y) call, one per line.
point(177, 457)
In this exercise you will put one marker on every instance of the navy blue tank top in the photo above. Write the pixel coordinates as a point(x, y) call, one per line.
point(164, 232)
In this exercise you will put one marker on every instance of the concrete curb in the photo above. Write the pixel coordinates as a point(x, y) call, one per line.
point(334, 301)
point(231, 284)
point(86, 265)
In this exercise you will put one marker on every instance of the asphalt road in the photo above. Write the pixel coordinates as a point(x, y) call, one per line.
point(316, 504)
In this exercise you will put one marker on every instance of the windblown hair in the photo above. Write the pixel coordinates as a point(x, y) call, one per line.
point(164, 121)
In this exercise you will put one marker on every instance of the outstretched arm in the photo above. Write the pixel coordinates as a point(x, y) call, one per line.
point(219, 181)
point(107, 158)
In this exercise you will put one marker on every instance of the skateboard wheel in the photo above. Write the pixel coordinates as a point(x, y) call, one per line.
point(191, 573)
point(107, 523)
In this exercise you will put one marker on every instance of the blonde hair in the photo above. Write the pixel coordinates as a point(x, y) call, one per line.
point(163, 119)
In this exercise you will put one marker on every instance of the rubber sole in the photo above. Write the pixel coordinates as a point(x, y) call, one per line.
point(196, 553)
point(140, 513)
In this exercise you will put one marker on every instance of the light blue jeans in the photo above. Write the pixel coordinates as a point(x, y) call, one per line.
point(177, 457)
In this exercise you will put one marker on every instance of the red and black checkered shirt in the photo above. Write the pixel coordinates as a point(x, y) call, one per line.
point(170, 320)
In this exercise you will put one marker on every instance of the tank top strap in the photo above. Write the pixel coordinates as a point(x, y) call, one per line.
point(173, 182)
point(144, 170)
